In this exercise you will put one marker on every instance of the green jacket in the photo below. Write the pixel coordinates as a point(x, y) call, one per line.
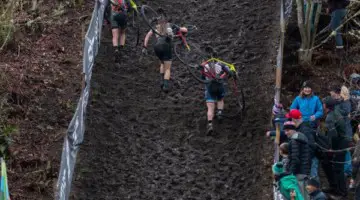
point(287, 184)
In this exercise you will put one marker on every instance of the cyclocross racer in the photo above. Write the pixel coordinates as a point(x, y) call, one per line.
point(118, 20)
point(216, 72)
point(163, 48)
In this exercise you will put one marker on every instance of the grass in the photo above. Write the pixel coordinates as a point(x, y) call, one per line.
point(7, 27)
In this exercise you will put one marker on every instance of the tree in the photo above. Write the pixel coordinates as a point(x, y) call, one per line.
point(308, 18)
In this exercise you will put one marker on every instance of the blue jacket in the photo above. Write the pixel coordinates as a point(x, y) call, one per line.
point(308, 106)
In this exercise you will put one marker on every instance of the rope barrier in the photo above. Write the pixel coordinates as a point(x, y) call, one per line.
point(333, 151)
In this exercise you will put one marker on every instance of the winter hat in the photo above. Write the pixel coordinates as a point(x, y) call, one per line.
point(294, 114)
point(336, 89)
point(306, 84)
point(313, 182)
point(278, 168)
point(289, 125)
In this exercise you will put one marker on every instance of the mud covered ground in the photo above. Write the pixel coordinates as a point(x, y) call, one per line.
point(143, 144)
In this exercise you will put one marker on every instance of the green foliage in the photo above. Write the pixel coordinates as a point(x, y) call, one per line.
point(6, 22)
point(6, 132)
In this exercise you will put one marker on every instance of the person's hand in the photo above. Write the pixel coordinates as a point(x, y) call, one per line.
point(312, 118)
point(144, 51)
point(268, 134)
point(277, 108)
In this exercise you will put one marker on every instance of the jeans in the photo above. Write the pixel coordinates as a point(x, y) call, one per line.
point(347, 165)
point(314, 168)
point(337, 17)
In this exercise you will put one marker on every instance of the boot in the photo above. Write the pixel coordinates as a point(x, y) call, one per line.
point(219, 115)
point(161, 80)
point(116, 54)
point(165, 87)
point(210, 129)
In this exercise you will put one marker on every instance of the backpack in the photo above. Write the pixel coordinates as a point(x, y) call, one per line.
point(118, 5)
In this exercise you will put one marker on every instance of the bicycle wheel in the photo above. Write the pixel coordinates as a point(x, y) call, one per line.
point(150, 17)
point(191, 57)
point(133, 30)
point(234, 99)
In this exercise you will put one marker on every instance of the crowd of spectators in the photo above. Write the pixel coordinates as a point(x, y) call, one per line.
point(316, 135)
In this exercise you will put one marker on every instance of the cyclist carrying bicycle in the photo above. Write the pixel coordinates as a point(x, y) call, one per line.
point(163, 47)
point(118, 21)
point(216, 73)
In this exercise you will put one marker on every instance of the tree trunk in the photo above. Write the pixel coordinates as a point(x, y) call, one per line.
point(305, 57)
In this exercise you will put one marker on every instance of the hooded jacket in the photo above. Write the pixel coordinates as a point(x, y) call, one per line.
point(335, 126)
point(308, 106)
point(299, 154)
point(286, 182)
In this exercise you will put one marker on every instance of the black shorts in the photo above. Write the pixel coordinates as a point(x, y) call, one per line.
point(163, 49)
point(118, 20)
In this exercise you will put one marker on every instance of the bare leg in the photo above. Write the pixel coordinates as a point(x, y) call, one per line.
point(167, 66)
point(210, 111)
point(210, 116)
point(220, 104)
point(162, 68)
point(115, 38)
point(122, 37)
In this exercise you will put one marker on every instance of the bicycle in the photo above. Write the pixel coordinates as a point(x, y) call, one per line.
point(235, 99)
point(151, 18)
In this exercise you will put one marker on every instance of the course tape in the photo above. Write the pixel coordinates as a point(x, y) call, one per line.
point(76, 129)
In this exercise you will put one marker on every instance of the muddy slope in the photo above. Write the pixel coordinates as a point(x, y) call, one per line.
point(143, 144)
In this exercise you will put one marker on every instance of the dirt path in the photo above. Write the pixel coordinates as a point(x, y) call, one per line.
point(142, 144)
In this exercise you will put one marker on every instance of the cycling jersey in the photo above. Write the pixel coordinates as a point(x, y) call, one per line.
point(119, 5)
point(217, 71)
point(118, 17)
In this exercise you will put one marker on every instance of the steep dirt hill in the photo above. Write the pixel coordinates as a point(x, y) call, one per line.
point(143, 144)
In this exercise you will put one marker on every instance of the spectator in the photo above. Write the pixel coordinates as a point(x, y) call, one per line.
point(309, 105)
point(313, 189)
point(337, 10)
point(354, 182)
point(333, 164)
point(342, 95)
point(286, 182)
point(299, 154)
point(279, 118)
point(304, 128)
point(284, 152)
